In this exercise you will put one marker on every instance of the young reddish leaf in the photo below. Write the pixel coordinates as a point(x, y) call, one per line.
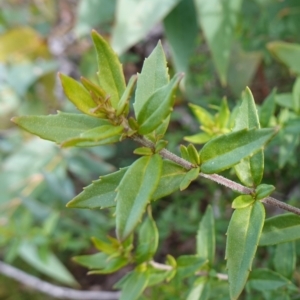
point(227, 150)
point(147, 240)
point(92, 88)
point(60, 127)
point(158, 107)
point(123, 105)
point(190, 176)
point(135, 191)
point(250, 169)
point(110, 71)
point(100, 194)
point(78, 95)
point(263, 191)
point(243, 234)
point(280, 229)
point(154, 75)
point(242, 201)
point(170, 179)
point(206, 240)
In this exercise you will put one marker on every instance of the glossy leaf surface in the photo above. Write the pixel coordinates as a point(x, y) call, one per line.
point(100, 194)
point(110, 70)
point(158, 107)
point(242, 238)
point(227, 150)
point(135, 191)
point(60, 127)
point(206, 240)
point(280, 229)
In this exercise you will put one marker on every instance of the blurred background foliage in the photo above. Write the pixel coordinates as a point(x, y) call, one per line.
point(38, 38)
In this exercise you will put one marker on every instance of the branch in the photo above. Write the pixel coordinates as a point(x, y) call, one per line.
point(54, 290)
point(214, 177)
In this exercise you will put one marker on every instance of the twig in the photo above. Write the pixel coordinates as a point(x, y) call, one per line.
point(54, 290)
point(214, 177)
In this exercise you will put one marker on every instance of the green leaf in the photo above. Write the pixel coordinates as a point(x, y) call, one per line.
point(104, 246)
point(143, 151)
point(280, 229)
point(170, 179)
point(101, 193)
point(135, 191)
point(187, 265)
point(92, 261)
point(267, 280)
point(147, 240)
point(296, 95)
point(285, 259)
point(206, 240)
point(160, 145)
point(218, 20)
point(227, 150)
point(263, 191)
point(184, 152)
point(113, 264)
point(222, 118)
point(110, 72)
point(143, 17)
point(285, 100)
point(243, 235)
point(78, 95)
point(199, 138)
point(190, 176)
point(202, 115)
point(250, 169)
point(60, 127)
point(158, 107)
point(157, 276)
point(267, 109)
point(102, 132)
point(181, 30)
point(200, 290)
point(242, 201)
point(194, 157)
point(286, 53)
point(93, 89)
point(154, 76)
point(89, 142)
point(123, 105)
point(50, 265)
point(134, 285)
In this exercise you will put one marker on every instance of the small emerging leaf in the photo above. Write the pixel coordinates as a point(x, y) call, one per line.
point(202, 115)
point(123, 105)
point(78, 95)
point(143, 151)
point(135, 191)
point(243, 235)
point(242, 201)
point(193, 154)
point(190, 176)
point(93, 89)
point(199, 138)
point(184, 152)
point(160, 145)
point(263, 191)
